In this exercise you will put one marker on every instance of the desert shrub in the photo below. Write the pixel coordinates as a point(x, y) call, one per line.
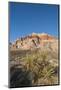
point(41, 66)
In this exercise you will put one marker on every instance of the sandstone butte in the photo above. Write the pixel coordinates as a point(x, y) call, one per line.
point(35, 41)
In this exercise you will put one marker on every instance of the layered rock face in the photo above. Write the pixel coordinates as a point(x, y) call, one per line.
point(35, 41)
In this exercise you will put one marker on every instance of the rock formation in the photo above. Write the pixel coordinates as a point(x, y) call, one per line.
point(35, 41)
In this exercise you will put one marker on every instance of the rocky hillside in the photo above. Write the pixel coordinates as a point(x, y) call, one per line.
point(34, 61)
point(35, 41)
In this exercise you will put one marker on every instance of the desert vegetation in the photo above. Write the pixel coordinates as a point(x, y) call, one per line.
point(33, 67)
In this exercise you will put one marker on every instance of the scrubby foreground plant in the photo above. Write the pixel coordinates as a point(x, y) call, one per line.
point(43, 66)
point(40, 68)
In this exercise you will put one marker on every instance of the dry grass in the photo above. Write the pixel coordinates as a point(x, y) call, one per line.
point(41, 65)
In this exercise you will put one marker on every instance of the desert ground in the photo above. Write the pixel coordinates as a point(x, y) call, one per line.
point(35, 67)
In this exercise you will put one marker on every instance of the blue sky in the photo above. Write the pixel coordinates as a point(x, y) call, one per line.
point(25, 19)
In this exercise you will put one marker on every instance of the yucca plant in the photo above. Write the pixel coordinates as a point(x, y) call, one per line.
point(39, 66)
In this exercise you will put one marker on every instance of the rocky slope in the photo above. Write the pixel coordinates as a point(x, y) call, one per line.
point(34, 61)
point(35, 41)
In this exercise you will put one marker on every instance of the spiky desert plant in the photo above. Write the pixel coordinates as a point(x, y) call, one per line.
point(45, 69)
point(41, 66)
